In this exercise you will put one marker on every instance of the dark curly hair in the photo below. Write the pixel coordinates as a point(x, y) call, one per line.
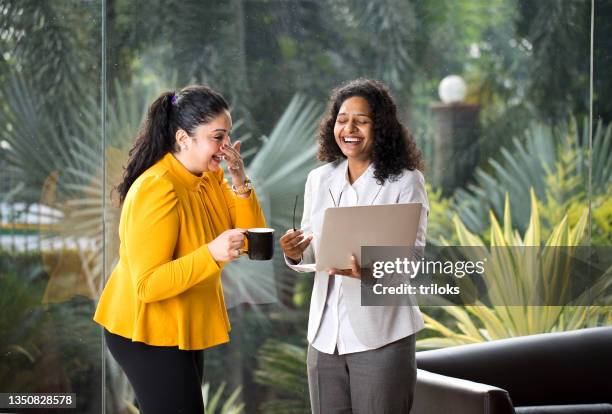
point(394, 148)
point(171, 111)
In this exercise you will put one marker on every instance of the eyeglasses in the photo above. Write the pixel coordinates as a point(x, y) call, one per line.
point(294, 207)
point(334, 200)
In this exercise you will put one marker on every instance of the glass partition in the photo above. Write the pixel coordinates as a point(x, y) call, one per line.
point(51, 156)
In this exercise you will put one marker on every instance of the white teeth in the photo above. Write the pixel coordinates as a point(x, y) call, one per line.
point(351, 139)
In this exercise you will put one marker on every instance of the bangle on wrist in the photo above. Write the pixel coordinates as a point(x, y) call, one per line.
point(243, 188)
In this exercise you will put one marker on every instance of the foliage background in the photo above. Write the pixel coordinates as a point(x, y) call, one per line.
point(75, 79)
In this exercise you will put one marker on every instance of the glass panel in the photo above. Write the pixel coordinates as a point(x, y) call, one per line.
point(601, 173)
point(513, 154)
point(512, 123)
point(51, 224)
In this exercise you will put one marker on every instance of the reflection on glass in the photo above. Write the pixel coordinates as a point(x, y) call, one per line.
point(51, 169)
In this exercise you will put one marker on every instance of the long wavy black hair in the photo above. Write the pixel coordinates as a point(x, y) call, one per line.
point(394, 148)
point(171, 111)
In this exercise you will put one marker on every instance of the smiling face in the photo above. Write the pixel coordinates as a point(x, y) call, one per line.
point(354, 129)
point(201, 152)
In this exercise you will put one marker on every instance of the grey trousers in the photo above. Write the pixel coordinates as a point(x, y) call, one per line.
point(380, 381)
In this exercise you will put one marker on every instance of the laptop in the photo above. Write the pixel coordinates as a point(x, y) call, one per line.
point(347, 229)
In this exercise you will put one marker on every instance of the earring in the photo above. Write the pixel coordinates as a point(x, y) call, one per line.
point(184, 148)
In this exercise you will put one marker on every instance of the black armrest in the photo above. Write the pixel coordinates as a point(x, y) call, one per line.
point(547, 369)
point(567, 409)
point(437, 393)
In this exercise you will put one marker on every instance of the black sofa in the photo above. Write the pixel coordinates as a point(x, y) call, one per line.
point(567, 372)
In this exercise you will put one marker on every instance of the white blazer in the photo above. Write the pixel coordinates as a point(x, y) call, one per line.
point(374, 326)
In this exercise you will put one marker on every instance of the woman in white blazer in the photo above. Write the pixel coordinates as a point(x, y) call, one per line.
point(360, 358)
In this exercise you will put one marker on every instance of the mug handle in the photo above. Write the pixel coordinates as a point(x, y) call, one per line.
point(246, 235)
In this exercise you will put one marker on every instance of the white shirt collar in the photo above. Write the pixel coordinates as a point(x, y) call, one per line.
point(339, 179)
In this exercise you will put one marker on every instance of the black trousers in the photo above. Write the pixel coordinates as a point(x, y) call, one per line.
point(166, 379)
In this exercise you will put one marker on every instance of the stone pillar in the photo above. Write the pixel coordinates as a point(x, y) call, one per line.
point(456, 147)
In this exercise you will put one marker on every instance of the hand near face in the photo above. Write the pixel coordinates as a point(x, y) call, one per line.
point(294, 243)
point(234, 162)
point(354, 271)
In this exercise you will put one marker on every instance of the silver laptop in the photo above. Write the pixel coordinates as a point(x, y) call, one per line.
point(346, 229)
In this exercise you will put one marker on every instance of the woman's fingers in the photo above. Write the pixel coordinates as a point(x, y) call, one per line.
point(343, 272)
point(293, 243)
point(236, 235)
point(300, 241)
point(340, 272)
point(354, 271)
point(289, 237)
point(232, 156)
point(231, 151)
point(232, 148)
point(237, 244)
point(227, 246)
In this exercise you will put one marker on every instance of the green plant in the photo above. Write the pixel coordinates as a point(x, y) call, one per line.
point(22, 319)
point(48, 44)
point(557, 170)
point(282, 367)
point(47, 343)
point(602, 216)
point(212, 404)
point(512, 281)
point(439, 221)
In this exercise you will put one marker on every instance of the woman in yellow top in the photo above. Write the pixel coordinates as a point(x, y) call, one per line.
point(180, 223)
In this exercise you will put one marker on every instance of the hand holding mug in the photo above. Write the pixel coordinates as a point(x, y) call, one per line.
point(227, 246)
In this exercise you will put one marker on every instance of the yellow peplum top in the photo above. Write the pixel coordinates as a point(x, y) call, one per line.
point(166, 288)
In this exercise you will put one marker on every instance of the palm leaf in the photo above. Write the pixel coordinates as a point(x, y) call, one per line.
point(520, 275)
point(213, 405)
point(282, 367)
point(555, 168)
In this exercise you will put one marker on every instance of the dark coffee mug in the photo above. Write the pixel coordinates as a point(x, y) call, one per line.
point(261, 243)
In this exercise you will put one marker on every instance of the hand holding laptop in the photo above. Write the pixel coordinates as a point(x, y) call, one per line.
point(293, 243)
point(347, 229)
point(354, 271)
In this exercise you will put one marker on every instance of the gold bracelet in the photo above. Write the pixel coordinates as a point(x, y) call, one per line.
point(244, 188)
